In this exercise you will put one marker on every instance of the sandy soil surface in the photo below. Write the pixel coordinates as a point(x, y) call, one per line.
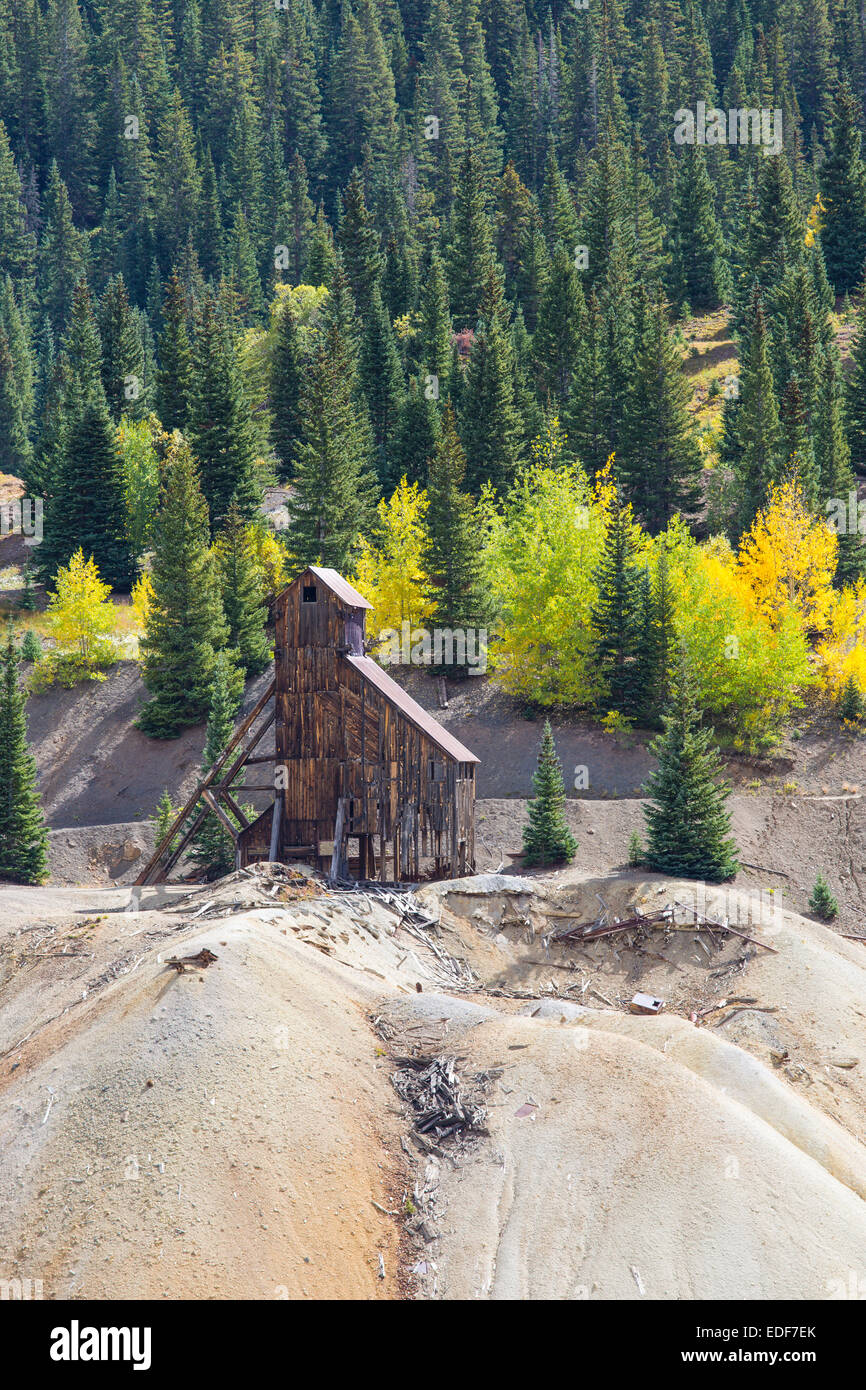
point(231, 1130)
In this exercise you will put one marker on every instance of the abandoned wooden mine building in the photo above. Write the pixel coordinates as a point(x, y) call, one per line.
point(367, 783)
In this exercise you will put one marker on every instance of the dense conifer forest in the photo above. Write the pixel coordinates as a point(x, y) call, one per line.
point(437, 268)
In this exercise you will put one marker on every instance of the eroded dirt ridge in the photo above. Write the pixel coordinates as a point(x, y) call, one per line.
point(264, 1088)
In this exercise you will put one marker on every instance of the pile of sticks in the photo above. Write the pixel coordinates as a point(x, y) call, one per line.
point(643, 922)
point(431, 1086)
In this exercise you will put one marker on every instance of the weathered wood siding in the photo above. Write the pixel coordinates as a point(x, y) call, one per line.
point(337, 736)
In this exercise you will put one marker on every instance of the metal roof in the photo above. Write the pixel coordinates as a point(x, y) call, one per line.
point(339, 586)
point(422, 720)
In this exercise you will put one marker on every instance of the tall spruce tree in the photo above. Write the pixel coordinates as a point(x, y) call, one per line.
point(15, 448)
point(186, 625)
point(470, 251)
point(453, 558)
point(219, 428)
point(842, 182)
point(241, 588)
point(23, 836)
point(380, 377)
point(698, 270)
point(489, 423)
point(285, 389)
point(174, 376)
point(547, 839)
point(855, 389)
point(659, 461)
point(615, 615)
point(560, 331)
point(87, 509)
point(754, 436)
point(688, 824)
point(122, 357)
point(334, 488)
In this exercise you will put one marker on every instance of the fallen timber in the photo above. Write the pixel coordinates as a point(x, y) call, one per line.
point(642, 921)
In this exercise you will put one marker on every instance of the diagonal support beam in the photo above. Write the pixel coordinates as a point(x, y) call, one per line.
point(152, 866)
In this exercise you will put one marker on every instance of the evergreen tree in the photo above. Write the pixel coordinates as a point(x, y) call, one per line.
point(754, 444)
point(358, 241)
point(489, 421)
point(547, 839)
point(219, 426)
point(241, 586)
point(122, 356)
point(415, 437)
point(470, 252)
point(166, 814)
point(23, 837)
point(688, 823)
point(87, 509)
point(434, 337)
point(381, 377)
point(842, 181)
point(17, 243)
point(821, 900)
point(174, 376)
point(186, 625)
point(615, 615)
point(63, 252)
point(852, 705)
point(15, 448)
point(453, 558)
point(561, 328)
point(855, 389)
point(285, 389)
point(698, 271)
point(31, 647)
point(213, 848)
point(659, 461)
point(586, 413)
point(334, 490)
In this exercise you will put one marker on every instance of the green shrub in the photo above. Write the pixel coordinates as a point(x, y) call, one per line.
point(822, 902)
point(31, 647)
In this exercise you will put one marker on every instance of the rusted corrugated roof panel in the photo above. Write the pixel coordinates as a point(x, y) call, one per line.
point(339, 586)
point(372, 672)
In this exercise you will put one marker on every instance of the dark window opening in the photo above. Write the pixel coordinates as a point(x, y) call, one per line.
point(309, 593)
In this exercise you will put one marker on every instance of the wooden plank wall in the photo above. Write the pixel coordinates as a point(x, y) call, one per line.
point(338, 736)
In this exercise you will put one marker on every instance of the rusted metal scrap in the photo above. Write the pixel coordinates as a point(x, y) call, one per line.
point(431, 1086)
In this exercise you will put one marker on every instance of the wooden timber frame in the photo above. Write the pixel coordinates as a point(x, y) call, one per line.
point(367, 783)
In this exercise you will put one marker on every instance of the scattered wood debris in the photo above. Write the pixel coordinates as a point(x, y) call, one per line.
point(642, 923)
point(431, 1086)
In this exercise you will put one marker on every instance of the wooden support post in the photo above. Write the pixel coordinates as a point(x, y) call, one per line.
point(339, 830)
point(276, 822)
